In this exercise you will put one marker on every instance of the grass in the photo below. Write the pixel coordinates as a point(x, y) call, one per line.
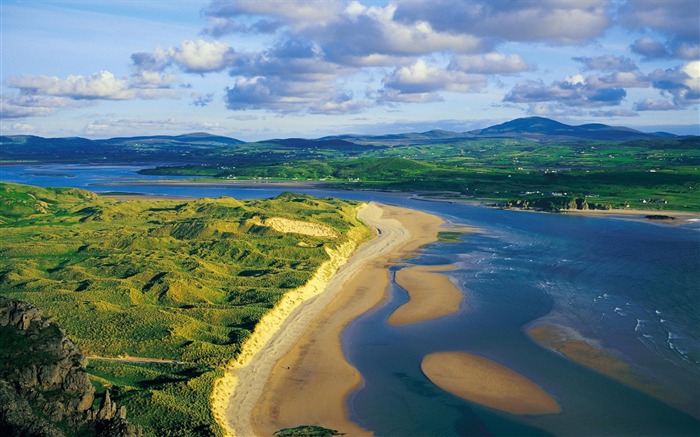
point(177, 280)
point(619, 174)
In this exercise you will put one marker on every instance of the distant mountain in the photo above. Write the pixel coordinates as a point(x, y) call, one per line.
point(197, 138)
point(530, 128)
point(545, 129)
point(321, 143)
point(202, 147)
point(429, 137)
point(125, 149)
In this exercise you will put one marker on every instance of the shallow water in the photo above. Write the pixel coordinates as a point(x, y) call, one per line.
point(630, 287)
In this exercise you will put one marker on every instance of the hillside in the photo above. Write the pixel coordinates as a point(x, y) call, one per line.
point(182, 284)
point(530, 128)
point(545, 129)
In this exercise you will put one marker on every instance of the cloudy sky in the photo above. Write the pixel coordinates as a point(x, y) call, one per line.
point(257, 69)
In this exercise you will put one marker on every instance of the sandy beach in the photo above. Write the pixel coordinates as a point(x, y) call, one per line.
point(606, 362)
point(432, 295)
point(300, 377)
point(488, 383)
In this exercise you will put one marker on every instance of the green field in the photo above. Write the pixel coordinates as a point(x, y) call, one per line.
point(660, 174)
point(185, 281)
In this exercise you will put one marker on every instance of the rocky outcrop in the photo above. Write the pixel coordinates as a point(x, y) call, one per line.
point(43, 382)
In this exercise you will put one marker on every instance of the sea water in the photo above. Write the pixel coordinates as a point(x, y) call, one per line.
point(629, 287)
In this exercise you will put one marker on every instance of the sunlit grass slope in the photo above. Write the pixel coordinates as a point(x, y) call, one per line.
point(178, 280)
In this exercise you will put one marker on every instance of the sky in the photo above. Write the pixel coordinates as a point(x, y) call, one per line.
point(262, 69)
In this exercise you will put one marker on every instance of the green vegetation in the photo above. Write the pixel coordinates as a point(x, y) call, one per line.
point(661, 174)
point(168, 398)
point(307, 431)
point(450, 237)
point(170, 280)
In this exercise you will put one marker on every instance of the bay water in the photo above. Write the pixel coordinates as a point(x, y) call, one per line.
point(629, 287)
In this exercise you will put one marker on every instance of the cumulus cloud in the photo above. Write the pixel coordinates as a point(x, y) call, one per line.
point(320, 44)
point(572, 93)
point(365, 36)
point(655, 105)
point(256, 16)
point(326, 42)
point(553, 21)
point(191, 56)
point(605, 85)
point(676, 20)
point(203, 101)
point(45, 95)
point(419, 83)
point(112, 125)
point(21, 106)
point(682, 83)
point(288, 96)
point(490, 63)
point(650, 48)
point(607, 63)
point(102, 85)
point(202, 56)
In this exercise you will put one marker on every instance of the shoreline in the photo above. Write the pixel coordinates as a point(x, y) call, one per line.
point(268, 331)
point(681, 217)
point(303, 378)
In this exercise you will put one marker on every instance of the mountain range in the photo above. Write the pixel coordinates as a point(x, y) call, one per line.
point(199, 145)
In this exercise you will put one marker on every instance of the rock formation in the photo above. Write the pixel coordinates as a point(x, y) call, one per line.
point(44, 388)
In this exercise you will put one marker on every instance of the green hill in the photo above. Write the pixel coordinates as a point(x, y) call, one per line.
point(180, 281)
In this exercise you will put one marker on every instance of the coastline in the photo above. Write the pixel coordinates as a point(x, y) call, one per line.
point(267, 333)
point(302, 376)
point(680, 217)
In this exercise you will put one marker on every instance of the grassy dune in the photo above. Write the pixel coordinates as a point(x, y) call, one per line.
point(173, 280)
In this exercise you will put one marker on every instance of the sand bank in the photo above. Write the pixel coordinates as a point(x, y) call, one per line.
point(678, 217)
point(432, 295)
point(483, 381)
point(579, 350)
point(301, 376)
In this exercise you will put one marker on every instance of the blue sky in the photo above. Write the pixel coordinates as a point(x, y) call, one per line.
point(257, 69)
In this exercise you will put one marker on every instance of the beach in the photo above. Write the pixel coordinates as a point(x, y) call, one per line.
point(432, 295)
point(486, 382)
point(300, 376)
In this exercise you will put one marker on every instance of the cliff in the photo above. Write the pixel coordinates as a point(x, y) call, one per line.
point(44, 388)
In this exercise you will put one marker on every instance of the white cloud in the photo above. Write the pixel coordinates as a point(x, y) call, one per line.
point(21, 106)
point(421, 77)
point(113, 125)
point(260, 16)
point(682, 82)
point(678, 19)
point(551, 21)
point(655, 105)
point(490, 63)
point(102, 85)
point(202, 56)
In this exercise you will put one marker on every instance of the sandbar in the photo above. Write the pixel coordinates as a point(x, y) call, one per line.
point(310, 379)
point(432, 295)
point(488, 383)
point(601, 360)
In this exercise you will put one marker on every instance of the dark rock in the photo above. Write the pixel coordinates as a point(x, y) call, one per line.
point(48, 384)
